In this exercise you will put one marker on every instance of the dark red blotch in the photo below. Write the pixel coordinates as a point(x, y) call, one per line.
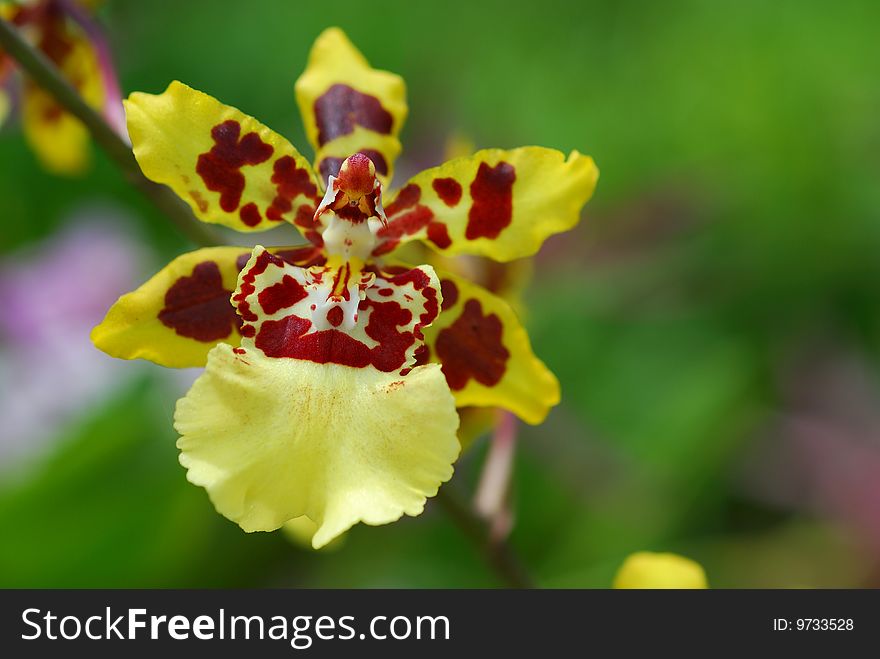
point(492, 194)
point(340, 108)
point(407, 217)
point(285, 293)
point(471, 348)
point(291, 181)
point(219, 167)
point(448, 189)
point(450, 293)
point(197, 306)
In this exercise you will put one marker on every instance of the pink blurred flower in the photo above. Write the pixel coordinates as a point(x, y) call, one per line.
point(52, 294)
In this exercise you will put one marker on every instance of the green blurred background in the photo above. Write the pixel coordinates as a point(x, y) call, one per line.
point(714, 321)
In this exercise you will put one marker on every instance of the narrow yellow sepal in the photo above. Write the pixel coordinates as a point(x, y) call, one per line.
point(176, 317)
point(230, 168)
point(495, 203)
point(347, 106)
point(486, 354)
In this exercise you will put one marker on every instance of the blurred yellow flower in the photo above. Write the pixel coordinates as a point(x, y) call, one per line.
point(66, 35)
point(660, 570)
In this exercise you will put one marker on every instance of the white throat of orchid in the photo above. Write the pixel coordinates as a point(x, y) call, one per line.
point(351, 211)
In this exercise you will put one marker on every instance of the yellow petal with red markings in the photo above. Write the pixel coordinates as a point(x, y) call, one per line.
point(176, 317)
point(59, 139)
point(349, 107)
point(486, 355)
point(230, 168)
point(499, 204)
point(274, 439)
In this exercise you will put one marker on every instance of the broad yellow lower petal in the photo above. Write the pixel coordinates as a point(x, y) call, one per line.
point(274, 439)
point(499, 204)
point(486, 354)
point(649, 570)
point(230, 168)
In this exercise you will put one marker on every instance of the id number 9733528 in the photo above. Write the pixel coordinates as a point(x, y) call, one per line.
point(813, 624)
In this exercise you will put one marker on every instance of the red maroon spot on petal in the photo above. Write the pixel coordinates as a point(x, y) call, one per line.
point(407, 224)
point(335, 316)
point(385, 248)
point(438, 235)
point(422, 355)
point(418, 278)
point(197, 306)
point(219, 167)
point(492, 192)
point(248, 331)
point(328, 167)
point(471, 348)
point(407, 198)
point(287, 338)
point(382, 327)
point(291, 181)
point(239, 351)
point(448, 189)
point(285, 293)
point(408, 217)
point(386, 292)
point(250, 214)
point(450, 293)
point(340, 108)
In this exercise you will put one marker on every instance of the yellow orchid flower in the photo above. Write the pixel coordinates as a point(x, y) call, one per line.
point(332, 378)
point(646, 569)
point(66, 35)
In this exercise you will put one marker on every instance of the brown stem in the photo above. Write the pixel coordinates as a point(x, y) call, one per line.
point(44, 72)
point(498, 554)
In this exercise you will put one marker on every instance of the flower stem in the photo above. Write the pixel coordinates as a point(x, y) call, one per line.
point(492, 499)
point(498, 553)
point(44, 72)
